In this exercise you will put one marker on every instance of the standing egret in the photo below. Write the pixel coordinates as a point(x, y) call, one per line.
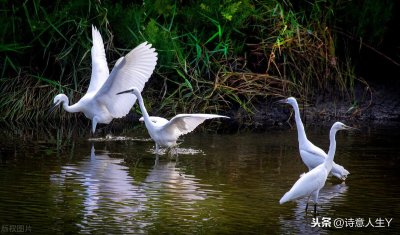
point(311, 155)
point(311, 182)
point(100, 103)
point(165, 133)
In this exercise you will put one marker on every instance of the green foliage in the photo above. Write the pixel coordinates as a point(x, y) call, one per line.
point(213, 55)
point(46, 47)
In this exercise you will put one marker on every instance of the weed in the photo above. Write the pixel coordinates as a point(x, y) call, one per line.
point(214, 56)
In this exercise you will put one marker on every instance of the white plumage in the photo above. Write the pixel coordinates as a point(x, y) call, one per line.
point(165, 133)
point(310, 183)
point(100, 103)
point(312, 155)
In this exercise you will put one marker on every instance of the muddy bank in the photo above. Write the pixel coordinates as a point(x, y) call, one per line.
point(375, 105)
point(372, 105)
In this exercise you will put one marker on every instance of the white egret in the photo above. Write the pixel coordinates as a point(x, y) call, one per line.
point(100, 103)
point(312, 155)
point(154, 119)
point(311, 182)
point(165, 133)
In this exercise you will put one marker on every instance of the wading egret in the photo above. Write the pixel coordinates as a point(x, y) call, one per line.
point(165, 133)
point(311, 155)
point(311, 182)
point(100, 103)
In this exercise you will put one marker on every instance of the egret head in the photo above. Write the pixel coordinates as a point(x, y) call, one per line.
point(58, 99)
point(153, 119)
point(341, 126)
point(290, 100)
point(132, 90)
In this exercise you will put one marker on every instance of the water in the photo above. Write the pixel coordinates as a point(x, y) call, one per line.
point(60, 182)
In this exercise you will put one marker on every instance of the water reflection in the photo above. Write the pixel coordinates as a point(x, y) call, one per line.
point(174, 195)
point(300, 222)
point(231, 185)
point(105, 189)
point(167, 177)
point(176, 151)
point(107, 195)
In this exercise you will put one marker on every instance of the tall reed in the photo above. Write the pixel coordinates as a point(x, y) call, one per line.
point(214, 56)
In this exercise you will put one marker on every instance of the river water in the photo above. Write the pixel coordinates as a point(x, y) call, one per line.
point(62, 181)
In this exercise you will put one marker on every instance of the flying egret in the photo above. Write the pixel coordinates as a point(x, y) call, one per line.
point(165, 133)
point(311, 155)
point(100, 103)
point(311, 182)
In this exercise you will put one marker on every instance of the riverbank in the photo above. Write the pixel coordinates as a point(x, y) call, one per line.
point(372, 105)
point(375, 104)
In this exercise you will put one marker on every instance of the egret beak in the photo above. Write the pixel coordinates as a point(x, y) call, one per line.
point(55, 105)
point(282, 101)
point(349, 128)
point(123, 92)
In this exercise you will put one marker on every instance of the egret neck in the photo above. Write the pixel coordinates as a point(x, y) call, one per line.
point(145, 114)
point(301, 134)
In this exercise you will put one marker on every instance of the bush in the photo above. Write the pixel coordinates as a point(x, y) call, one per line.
point(214, 56)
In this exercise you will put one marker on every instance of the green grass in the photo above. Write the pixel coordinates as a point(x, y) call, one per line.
point(214, 56)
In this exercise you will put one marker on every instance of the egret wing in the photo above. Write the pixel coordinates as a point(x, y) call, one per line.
point(184, 123)
point(133, 70)
point(317, 156)
point(100, 70)
point(308, 183)
point(317, 151)
point(312, 155)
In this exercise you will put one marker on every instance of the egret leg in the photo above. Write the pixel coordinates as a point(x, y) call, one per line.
point(315, 199)
point(94, 124)
point(315, 209)
point(92, 152)
point(156, 161)
point(308, 199)
point(171, 152)
point(157, 149)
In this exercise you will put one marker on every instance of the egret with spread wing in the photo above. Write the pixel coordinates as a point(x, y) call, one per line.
point(312, 155)
point(311, 182)
point(165, 133)
point(100, 103)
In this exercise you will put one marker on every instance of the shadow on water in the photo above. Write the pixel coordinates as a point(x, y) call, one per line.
point(60, 180)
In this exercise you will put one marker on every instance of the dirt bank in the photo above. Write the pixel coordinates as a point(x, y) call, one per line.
point(373, 105)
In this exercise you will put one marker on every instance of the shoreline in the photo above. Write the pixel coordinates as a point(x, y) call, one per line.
point(379, 106)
